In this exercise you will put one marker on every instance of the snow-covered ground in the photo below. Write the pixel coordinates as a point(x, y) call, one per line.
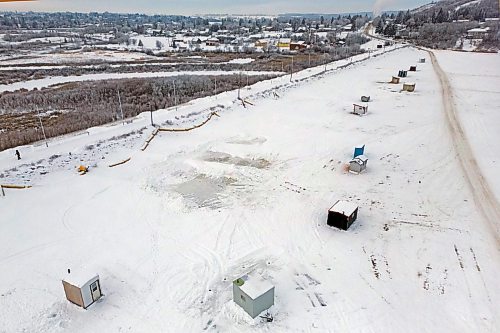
point(249, 191)
point(50, 81)
point(77, 56)
point(467, 4)
point(475, 79)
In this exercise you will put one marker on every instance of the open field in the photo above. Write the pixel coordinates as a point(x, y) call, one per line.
point(249, 191)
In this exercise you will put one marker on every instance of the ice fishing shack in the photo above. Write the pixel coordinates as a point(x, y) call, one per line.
point(253, 293)
point(358, 164)
point(359, 109)
point(342, 214)
point(82, 289)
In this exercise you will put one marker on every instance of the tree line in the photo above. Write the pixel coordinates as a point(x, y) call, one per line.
point(80, 105)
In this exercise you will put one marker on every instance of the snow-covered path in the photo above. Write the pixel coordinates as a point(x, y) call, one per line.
point(249, 191)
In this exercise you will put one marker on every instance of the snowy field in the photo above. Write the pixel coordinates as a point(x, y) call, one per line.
point(76, 57)
point(249, 192)
point(50, 81)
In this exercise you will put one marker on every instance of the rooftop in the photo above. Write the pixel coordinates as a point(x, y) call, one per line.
point(253, 285)
point(344, 207)
point(362, 158)
point(79, 278)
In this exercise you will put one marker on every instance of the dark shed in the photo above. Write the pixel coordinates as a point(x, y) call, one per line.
point(342, 214)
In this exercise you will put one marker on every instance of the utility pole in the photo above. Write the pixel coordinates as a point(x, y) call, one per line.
point(41, 125)
point(215, 85)
point(175, 94)
point(151, 113)
point(121, 109)
point(239, 85)
point(291, 72)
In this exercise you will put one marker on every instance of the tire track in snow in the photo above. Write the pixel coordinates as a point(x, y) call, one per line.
point(483, 196)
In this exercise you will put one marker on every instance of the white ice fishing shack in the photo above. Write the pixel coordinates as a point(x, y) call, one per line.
point(82, 289)
point(253, 294)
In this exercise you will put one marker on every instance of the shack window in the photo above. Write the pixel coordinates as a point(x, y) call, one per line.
point(243, 298)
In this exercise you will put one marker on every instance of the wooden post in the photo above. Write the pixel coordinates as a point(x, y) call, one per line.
point(175, 95)
point(3, 192)
point(239, 85)
point(41, 125)
point(121, 109)
point(291, 72)
point(151, 113)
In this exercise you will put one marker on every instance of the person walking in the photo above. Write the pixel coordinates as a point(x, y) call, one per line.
point(18, 154)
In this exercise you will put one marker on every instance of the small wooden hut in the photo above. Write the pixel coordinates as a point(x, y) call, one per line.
point(365, 99)
point(253, 294)
point(395, 80)
point(342, 214)
point(413, 68)
point(358, 164)
point(82, 289)
point(410, 87)
point(359, 109)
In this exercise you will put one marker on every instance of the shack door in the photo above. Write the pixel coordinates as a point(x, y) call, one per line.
point(95, 290)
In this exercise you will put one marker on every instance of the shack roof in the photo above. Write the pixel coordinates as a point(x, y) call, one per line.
point(344, 207)
point(254, 285)
point(361, 158)
point(80, 278)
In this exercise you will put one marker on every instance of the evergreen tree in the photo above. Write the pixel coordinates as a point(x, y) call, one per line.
point(380, 27)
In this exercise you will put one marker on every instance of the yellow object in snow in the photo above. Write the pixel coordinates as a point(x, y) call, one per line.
point(82, 169)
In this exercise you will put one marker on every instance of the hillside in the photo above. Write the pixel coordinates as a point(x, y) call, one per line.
point(447, 25)
point(460, 9)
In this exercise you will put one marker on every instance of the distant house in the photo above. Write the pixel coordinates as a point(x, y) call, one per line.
point(298, 46)
point(82, 289)
point(342, 214)
point(478, 33)
point(212, 42)
point(261, 43)
point(284, 43)
point(347, 27)
point(253, 294)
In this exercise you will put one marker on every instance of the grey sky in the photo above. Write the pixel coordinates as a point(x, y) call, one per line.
point(210, 6)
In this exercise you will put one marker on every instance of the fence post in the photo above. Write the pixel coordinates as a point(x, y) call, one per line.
point(3, 192)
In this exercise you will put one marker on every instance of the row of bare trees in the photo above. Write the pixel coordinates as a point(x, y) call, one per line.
point(77, 106)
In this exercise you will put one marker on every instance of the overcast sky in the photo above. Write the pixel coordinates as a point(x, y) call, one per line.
point(188, 7)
